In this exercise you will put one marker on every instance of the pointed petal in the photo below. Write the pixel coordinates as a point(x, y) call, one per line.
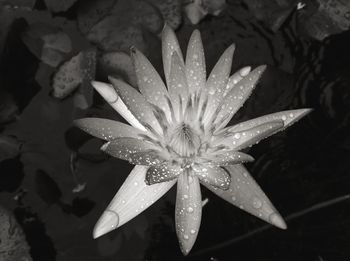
point(237, 96)
point(242, 139)
point(195, 63)
point(177, 83)
point(217, 81)
point(133, 197)
point(107, 129)
point(129, 149)
point(188, 211)
point(231, 157)
point(246, 194)
point(236, 77)
point(214, 176)
point(149, 81)
point(136, 103)
point(170, 44)
point(288, 117)
point(110, 95)
point(162, 172)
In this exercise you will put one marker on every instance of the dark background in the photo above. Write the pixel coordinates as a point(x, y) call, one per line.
point(54, 182)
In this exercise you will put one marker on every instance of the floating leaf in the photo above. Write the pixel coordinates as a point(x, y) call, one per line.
point(196, 10)
point(90, 12)
point(48, 43)
point(59, 6)
point(8, 108)
point(170, 10)
point(118, 65)
point(14, 246)
point(47, 188)
point(123, 26)
point(80, 69)
point(9, 147)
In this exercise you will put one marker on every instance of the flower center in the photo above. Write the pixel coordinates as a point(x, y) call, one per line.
point(184, 140)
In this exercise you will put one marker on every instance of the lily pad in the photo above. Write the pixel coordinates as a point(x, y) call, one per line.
point(14, 246)
point(171, 11)
point(80, 69)
point(9, 147)
point(59, 6)
point(118, 64)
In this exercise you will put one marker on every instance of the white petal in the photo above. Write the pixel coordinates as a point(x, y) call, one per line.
point(241, 139)
point(107, 129)
point(133, 197)
point(149, 81)
point(188, 212)
point(237, 96)
point(110, 95)
point(195, 63)
point(236, 77)
point(288, 117)
point(214, 176)
point(246, 194)
point(177, 84)
point(217, 81)
point(136, 103)
point(133, 150)
point(170, 44)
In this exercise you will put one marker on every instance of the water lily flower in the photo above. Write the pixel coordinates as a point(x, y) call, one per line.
point(177, 135)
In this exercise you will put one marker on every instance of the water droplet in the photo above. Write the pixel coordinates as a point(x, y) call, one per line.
point(237, 135)
point(185, 196)
point(186, 236)
point(123, 201)
point(233, 198)
point(257, 203)
point(136, 183)
point(189, 209)
point(111, 217)
point(284, 117)
point(193, 231)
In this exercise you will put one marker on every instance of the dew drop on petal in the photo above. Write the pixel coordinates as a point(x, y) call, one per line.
point(193, 231)
point(233, 198)
point(189, 209)
point(113, 218)
point(257, 203)
point(186, 236)
point(284, 118)
point(237, 135)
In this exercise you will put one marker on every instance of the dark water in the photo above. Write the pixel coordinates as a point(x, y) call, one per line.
point(304, 170)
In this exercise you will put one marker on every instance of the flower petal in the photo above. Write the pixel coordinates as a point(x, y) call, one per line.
point(214, 176)
point(242, 139)
point(133, 197)
point(188, 211)
point(246, 194)
point(170, 45)
point(288, 117)
point(177, 84)
point(237, 96)
point(107, 129)
point(110, 95)
point(231, 157)
point(129, 149)
point(149, 81)
point(236, 77)
point(136, 103)
point(217, 81)
point(195, 63)
point(162, 172)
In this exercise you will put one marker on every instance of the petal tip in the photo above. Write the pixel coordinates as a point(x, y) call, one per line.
point(105, 90)
point(277, 221)
point(107, 222)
